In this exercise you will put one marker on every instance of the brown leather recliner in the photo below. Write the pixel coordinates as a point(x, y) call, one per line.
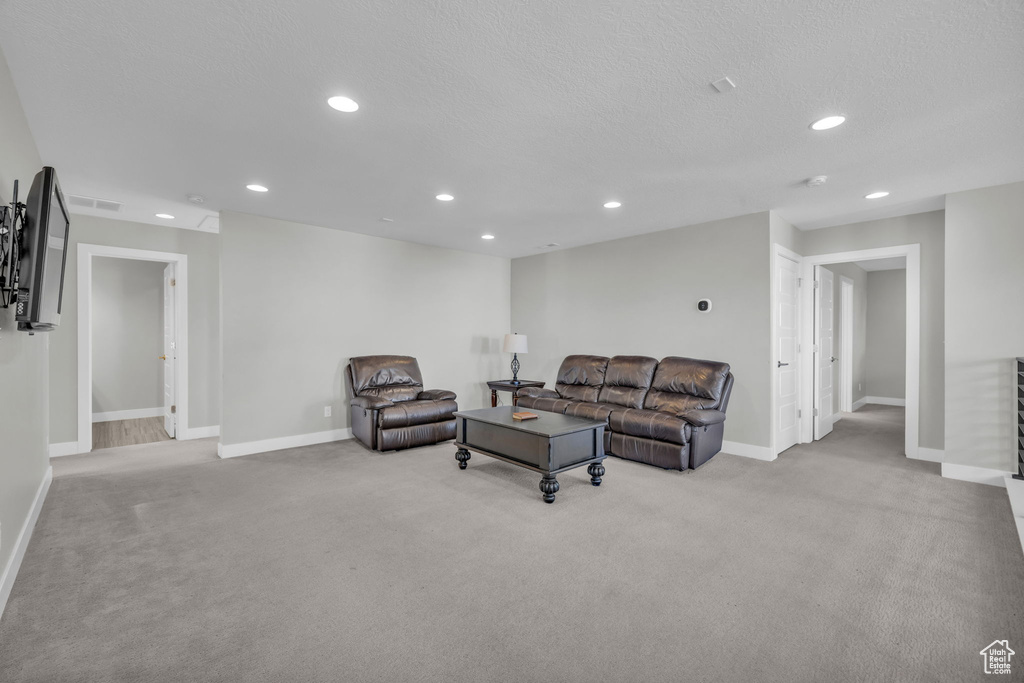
point(389, 408)
point(669, 414)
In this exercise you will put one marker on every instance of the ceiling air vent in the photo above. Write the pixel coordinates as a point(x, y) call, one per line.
point(94, 203)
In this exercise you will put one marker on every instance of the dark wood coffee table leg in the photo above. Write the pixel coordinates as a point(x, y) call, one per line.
point(494, 398)
point(462, 455)
point(596, 471)
point(549, 486)
point(515, 398)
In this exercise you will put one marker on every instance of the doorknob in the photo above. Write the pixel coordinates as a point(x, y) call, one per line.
point(162, 357)
point(781, 364)
point(833, 359)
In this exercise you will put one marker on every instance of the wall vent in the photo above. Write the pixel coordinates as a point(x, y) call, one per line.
point(94, 203)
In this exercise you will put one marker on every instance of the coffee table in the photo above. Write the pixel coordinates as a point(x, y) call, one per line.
point(550, 444)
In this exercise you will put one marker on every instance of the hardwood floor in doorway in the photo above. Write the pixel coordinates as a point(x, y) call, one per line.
point(128, 432)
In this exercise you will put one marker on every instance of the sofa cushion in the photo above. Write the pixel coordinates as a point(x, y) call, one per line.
point(396, 378)
point(650, 424)
point(627, 380)
point(682, 384)
point(592, 411)
point(410, 413)
point(552, 405)
point(580, 377)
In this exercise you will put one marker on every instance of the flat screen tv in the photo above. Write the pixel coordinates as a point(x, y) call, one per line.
point(44, 244)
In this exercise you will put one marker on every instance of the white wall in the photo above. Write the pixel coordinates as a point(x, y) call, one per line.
point(299, 301)
point(886, 350)
point(127, 334)
point(984, 323)
point(926, 229)
point(639, 296)
point(203, 318)
point(23, 358)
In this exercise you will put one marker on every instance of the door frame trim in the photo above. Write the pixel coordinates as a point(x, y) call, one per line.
point(781, 251)
point(86, 252)
point(912, 252)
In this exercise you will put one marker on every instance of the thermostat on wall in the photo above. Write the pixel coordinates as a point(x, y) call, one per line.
point(704, 305)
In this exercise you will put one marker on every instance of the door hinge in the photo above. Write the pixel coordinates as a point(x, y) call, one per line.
point(799, 414)
point(799, 282)
point(815, 412)
point(816, 283)
point(814, 348)
point(173, 282)
point(174, 409)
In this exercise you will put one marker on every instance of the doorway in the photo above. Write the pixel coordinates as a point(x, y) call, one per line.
point(165, 415)
point(817, 395)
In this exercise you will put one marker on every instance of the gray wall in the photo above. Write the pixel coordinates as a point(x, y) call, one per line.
point(887, 334)
point(299, 301)
point(926, 229)
point(23, 362)
point(860, 284)
point(639, 296)
point(203, 318)
point(984, 323)
point(127, 334)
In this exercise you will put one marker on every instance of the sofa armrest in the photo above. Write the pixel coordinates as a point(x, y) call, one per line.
point(537, 392)
point(436, 395)
point(370, 402)
point(703, 418)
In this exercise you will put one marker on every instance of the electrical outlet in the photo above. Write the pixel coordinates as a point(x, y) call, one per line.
point(327, 411)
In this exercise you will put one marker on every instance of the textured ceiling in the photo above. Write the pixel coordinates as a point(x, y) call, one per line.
point(532, 114)
point(894, 263)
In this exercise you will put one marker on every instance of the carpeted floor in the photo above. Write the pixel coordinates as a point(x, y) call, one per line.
point(841, 561)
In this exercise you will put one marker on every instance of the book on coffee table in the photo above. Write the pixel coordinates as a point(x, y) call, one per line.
point(524, 416)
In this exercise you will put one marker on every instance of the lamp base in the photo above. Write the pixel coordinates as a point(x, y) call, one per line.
point(515, 368)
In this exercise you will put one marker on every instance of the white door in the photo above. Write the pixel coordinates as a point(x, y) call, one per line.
point(823, 357)
point(787, 395)
point(846, 345)
point(169, 354)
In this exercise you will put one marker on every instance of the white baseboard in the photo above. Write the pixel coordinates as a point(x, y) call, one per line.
point(20, 545)
point(860, 403)
point(979, 475)
point(236, 449)
point(200, 433)
point(127, 414)
point(883, 401)
point(58, 450)
point(929, 454)
point(1015, 490)
point(748, 451)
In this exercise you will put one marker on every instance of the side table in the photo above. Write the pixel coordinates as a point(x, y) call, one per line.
point(508, 385)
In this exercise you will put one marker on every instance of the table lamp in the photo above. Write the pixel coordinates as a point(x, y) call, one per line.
point(515, 344)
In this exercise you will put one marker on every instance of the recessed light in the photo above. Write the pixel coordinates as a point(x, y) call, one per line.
point(445, 197)
point(256, 188)
point(165, 216)
point(876, 195)
point(828, 122)
point(817, 181)
point(487, 237)
point(612, 205)
point(345, 104)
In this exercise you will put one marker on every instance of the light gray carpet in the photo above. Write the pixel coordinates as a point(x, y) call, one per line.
point(841, 561)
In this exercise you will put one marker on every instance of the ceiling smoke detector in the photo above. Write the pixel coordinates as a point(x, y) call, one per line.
point(817, 181)
point(196, 199)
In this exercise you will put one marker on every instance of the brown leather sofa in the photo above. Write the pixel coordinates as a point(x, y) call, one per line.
point(670, 413)
point(389, 408)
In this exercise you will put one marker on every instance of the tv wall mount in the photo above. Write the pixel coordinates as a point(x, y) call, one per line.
point(12, 223)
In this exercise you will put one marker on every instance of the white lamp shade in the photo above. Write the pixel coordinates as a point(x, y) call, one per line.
point(515, 343)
